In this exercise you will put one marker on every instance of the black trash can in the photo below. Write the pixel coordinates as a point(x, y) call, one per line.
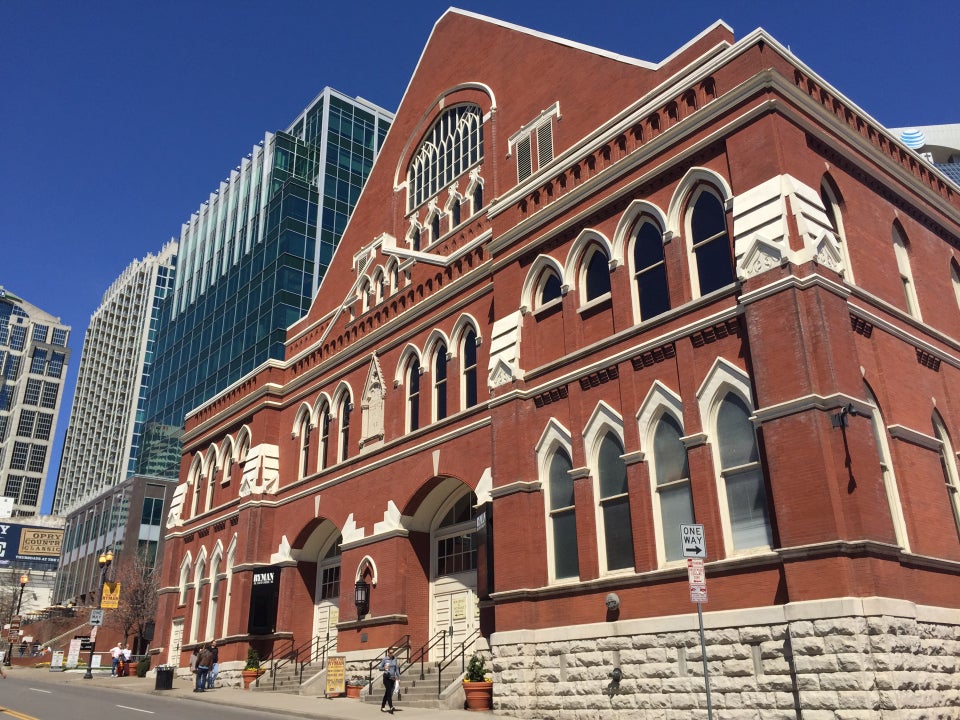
point(164, 679)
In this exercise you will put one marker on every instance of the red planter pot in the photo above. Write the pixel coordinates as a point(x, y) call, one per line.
point(479, 695)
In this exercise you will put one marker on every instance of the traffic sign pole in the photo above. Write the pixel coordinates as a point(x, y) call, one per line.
point(694, 546)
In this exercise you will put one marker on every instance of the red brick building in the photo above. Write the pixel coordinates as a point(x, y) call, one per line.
point(584, 300)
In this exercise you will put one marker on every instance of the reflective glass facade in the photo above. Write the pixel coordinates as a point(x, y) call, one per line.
point(251, 259)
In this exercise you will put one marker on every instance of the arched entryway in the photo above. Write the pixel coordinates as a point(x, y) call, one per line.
point(323, 547)
point(453, 563)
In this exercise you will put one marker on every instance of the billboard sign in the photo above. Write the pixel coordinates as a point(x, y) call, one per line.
point(28, 546)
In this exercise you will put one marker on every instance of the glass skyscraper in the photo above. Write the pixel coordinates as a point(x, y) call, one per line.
point(106, 420)
point(251, 260)
point(33, 366)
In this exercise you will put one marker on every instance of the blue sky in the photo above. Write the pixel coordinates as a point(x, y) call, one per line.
point(119, 118)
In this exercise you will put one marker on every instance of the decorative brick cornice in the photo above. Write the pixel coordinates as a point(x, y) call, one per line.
point(551, 396)
point(654, 356)
point(718, 331)
point(599, 378)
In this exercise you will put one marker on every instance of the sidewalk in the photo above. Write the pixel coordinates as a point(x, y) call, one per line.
point(307, 706)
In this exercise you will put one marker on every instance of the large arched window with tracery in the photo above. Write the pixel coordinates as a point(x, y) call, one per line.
point(454, 143)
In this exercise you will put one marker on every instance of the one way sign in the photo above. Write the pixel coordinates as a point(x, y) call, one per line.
point(693, 543)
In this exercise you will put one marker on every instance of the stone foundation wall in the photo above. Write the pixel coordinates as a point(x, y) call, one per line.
point(846, 659)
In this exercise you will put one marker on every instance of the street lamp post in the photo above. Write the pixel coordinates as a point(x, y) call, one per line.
point(24, 579)
point(105, 560)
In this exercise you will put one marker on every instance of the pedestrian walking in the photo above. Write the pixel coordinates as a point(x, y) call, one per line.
point(391, 675)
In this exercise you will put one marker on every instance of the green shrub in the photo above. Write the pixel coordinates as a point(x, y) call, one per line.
point(476, 668)
point(253, 659)
point(143, 666)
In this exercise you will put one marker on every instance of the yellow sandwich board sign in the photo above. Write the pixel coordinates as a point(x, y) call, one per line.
point(336, 675)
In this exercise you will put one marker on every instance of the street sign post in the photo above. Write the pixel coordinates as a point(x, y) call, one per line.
point(694, 545)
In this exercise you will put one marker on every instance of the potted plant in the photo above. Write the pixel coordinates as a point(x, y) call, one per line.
point(354, 684)
point(476, 687)
point(251, 670)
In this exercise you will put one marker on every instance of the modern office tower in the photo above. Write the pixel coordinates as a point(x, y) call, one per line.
point(106, 420)
point(251, 260)
point(940, 144)
point(33, 364)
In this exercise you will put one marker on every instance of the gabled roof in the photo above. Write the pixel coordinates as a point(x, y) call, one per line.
point(518, 72)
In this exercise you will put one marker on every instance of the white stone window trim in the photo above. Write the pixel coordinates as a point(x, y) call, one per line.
point(887, 472)
point(901, 249)
point(603, 421)
point(660, 401)
point(725, 377)
point(948, 460)
point(555, 436)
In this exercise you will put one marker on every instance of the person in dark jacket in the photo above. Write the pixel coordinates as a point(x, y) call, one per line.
point(204, 663)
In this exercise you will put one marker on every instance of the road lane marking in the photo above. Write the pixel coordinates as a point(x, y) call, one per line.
point(18, 715)
point(47, 692)
point(127, 707)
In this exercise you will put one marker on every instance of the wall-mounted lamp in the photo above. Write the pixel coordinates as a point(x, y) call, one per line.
point(839, 420)
point(361, 598)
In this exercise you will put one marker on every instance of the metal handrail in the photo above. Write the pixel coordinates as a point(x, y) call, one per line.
point(284, 658)
point(322, 649)
point(455, 652)
point(422, 653)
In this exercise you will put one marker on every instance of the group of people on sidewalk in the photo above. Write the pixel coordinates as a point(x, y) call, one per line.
point(120, 656)
point(205, 664)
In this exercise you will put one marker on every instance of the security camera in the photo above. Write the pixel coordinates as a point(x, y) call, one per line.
point(613, 602)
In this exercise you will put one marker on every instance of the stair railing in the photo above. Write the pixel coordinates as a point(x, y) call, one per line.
point(320, 648)
point(421, 654)
point(280, 656)
point(457, 652)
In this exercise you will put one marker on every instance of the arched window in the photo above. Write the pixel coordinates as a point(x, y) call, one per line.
point(455, 213)
point(329, 569)
point(833, 205)
point(440, 382)
point(614, 504)
point(323, 457)
point(477, 198)
point(597, 275)
point(550, 288)
point(650, 271)
point(345, 407)
point(672, 474)
point(365, 294)
point(955, 280)
point(211, 624)
point(742, 476)
point(198, 583)
point(902, 250)
point(435, 227)
point(303, 432)
point(453, 144)
point(469, 355)
point(211, 480)
point(948, 464)
point(455, 537)
point(378, 286)
point(413, 395)
point(710, 243)
point(886, 471)
point(563, 518)
point(415, 239)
